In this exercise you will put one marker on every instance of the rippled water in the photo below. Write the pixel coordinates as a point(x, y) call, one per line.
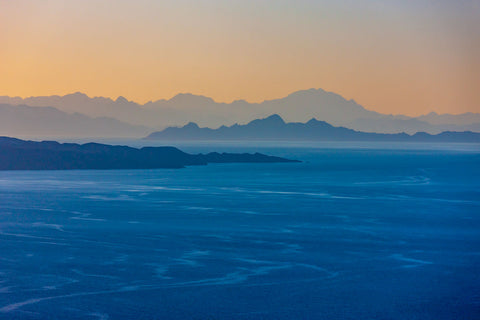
point(347, 234)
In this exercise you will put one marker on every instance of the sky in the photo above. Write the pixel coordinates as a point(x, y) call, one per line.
point(398, 57)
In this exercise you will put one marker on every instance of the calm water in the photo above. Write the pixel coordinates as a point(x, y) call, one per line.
point(348, 234)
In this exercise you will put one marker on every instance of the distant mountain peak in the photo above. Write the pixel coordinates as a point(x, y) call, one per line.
point(182, 95)
point(240, 101)
point(121, 99)
point(189, 98)
point(307, 92)
point(274, 118)
point(191, 125)
point(77, 95)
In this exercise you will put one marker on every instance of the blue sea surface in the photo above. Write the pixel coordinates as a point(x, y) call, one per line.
point(369, 232)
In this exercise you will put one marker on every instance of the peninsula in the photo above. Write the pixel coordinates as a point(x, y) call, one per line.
point(16, 154)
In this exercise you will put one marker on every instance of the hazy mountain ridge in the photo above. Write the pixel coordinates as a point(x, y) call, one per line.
point(460, 119)
point(395, 124)
point(26, 121)
point(275, 128)
point(299, 106)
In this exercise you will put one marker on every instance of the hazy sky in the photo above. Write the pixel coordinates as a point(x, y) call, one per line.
point(407, 57)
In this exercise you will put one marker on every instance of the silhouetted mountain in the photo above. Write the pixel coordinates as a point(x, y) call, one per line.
point(299, 106)
point(16, 154)
point(25, 121)
point(274, 128)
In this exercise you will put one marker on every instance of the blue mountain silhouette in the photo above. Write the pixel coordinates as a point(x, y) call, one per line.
point(274, 128)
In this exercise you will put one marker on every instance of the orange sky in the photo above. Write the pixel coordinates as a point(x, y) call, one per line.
point(408, 57)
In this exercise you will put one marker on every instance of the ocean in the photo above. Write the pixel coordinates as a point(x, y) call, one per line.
point(354, 231)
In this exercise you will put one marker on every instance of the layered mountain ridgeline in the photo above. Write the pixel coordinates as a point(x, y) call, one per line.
point(16, 154)
point(274, 128)
point(299, 106)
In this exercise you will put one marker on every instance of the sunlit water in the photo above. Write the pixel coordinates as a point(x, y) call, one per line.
point(350, 233)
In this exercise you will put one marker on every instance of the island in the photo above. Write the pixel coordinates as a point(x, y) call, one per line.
point(16, 154)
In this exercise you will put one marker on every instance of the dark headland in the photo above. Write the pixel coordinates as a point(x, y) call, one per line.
point(16, 154)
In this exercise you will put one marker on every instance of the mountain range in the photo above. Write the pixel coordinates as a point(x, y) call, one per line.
point(275, 128)
point(299, 106)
